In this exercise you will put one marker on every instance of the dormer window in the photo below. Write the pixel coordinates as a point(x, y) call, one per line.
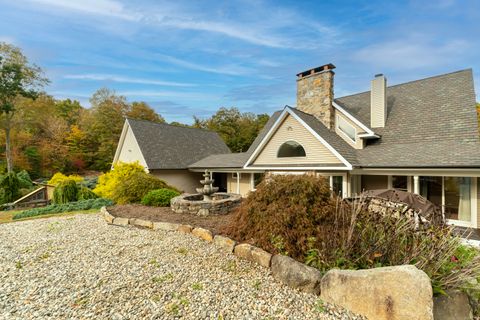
point(291, 149)
point(346, 128)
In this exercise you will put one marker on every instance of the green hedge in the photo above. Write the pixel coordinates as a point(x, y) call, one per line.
point(66, 207)
point(159, 197)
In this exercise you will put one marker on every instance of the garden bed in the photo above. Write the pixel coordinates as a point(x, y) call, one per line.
point(165, 214)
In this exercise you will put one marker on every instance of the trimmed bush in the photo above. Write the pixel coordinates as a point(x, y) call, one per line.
point(65, 191)
point(85, 193)
point(160, 197)
point(67, 207)
point(10, 184)
point(133, 189)
point(60, 177)
point(108, 182)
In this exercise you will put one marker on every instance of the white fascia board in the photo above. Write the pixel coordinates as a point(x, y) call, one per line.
point(302, 168)
point(355, 120)
point(288, 111)
point(120, 142)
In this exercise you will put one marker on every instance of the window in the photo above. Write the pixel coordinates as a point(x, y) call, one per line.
point(291, 149)
point(345, 127)
point(453, 194)
point(337, 185)
point(400, 183)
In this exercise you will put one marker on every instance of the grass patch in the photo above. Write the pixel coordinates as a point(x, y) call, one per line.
point(197, 286)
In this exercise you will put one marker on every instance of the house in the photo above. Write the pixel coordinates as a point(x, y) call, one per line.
point(421, 136)
point(166, 151)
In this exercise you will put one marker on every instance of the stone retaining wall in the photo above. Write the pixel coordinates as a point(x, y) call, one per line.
point(333, 287)
point(222, 203)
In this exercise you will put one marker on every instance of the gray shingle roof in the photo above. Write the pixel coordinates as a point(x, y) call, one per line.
point(166, 146)
point(431, 122)
point(227, 161)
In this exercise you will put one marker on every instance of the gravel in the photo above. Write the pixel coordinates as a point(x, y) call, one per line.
point(79, 267)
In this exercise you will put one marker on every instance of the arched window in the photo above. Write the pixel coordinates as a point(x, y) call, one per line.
point(291, 149)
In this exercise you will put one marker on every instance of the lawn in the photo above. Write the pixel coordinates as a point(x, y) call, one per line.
point(7, 216)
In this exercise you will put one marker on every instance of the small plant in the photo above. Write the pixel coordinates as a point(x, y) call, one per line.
point(66, 191)
point(197, 286)
point(154, 263)
point(165, 278)
point(278, 243)
point(256, 285)
point(320, 306)
point(183, 251)
point(18, 265)
point(159, 197)
point(85, 193)
point(172, 308)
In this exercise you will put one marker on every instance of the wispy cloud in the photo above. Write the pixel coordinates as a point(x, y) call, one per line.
point(123, 79)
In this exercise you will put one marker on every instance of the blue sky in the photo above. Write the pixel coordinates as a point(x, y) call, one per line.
point(189, 58)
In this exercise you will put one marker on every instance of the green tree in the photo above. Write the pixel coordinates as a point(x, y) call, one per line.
point(237, 129)
point(69, 110)
point(18, 78)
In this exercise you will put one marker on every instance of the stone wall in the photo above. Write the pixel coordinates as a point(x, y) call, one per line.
point(222, 203)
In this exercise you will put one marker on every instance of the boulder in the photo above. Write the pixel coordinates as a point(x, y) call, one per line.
point(295, 274)
point(107, 216)
point(141, 223)
point(185, 228)
point(165, 226)
point(224, 242)
point(390, 293)
point(254, 254)
point(120, 221)
point(452, 306)
point(203, 234)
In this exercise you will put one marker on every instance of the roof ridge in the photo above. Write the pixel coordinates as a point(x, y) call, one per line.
point(170, 125)
point(411, 81)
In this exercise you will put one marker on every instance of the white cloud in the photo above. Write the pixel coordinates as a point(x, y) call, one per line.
point(122, 79)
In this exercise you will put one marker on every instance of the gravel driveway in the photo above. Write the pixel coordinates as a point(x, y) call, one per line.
point(79, 267)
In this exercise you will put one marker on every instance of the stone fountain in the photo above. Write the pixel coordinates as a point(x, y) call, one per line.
point(208, 188)
point(207, 201)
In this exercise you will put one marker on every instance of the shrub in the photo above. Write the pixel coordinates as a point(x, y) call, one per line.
point(85, 193)
point(59, 177)
point(67, 207)
point(10, 185)
point(134, 188)
point(108, 182)
point(24, 180)
point(297, 216)
point(90, 182)
point(65, 191)
point(159, 198)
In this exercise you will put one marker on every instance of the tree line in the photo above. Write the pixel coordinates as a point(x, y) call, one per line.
point(44, 135)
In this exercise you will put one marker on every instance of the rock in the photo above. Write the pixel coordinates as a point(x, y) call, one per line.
point(107, 216)
point(453, 306)
point(295, 274)
point(224, 243)
point(203, 234)
point(252, 253)
point(141, 223)
point(120, 221)
point(399, 292)
point(165, 226)
point(185, 228)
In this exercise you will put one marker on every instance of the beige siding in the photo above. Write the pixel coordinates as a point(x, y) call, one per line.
point(372, 182)
point(245, 183)
point(291, 129)
point(130, 151)
point(183, 180)
point(358, 144)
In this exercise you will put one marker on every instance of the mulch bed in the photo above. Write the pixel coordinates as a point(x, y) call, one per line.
point(164, 214)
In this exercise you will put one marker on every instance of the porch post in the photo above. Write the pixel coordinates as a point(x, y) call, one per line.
point(416, 184)
point(238, 182)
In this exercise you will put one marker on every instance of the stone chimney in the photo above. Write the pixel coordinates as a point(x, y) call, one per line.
point(315, 93)
point(378, 102)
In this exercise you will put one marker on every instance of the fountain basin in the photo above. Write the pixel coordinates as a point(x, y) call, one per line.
point(220, 203)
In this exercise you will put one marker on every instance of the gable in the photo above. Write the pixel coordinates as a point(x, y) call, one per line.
point(290, 129)
point(129, 151)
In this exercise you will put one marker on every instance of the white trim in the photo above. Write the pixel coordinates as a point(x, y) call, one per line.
point(288, 111)
point(355, 120)
point(390, 182)
point(416, 184)
point(300, 168)
point(447, 172)
point(474, 202)
point(238, 182)
point(123, 136)
point(252, 182)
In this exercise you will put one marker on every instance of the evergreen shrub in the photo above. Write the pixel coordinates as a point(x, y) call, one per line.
point(65, 191)
point(159, 197)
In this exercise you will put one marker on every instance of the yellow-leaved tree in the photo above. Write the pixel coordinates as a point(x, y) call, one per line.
point(60, 177)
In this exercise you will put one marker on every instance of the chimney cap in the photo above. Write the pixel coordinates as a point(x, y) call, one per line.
point(379, 75)
point(325, 67)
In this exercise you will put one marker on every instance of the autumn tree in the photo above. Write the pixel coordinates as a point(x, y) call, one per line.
point(237, 129)
point(142, 111)
point(18, 79)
